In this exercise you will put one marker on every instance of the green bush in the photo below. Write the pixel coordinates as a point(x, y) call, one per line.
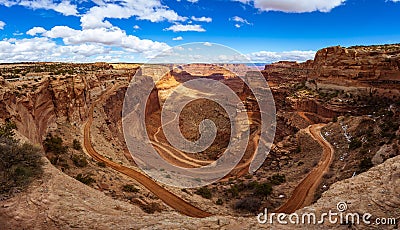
point(79, 161)
point(204, 192)
point(219, 202)
point(76, 145)
point(277, 179)
point(249, 204)
point(86, 179)
point(7, 130)
point(130, 188)
point(264, 189)
point(19, 165)
point(54, 145)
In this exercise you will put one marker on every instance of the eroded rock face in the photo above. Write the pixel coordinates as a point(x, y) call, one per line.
point(36, 109)
point(375, 68)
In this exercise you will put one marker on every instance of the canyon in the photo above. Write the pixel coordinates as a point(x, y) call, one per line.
point(351, 94)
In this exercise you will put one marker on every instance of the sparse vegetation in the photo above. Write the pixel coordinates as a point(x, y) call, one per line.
point(277, 179)
point(219, 202)
point(263, 189)
point(54, 144)
point(152, 208)
point(130, 188)
point(76, 145)
point(79, 161)
point(86, 179)
point(7, 130)
point(204, 192)
point(20, 164)
point(101, 164)
point(249, 204)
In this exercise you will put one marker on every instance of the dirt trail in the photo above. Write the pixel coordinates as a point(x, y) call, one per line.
point(303, 194)
point(169, 198)
point(304, 116)
point(181, 157)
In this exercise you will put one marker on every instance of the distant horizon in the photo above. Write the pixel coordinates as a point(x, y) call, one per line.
point(265, 31)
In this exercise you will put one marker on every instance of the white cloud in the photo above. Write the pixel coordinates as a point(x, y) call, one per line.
point(193, 1)
point(268, 57)
point(2, 24)
point(36, 30)
point(184, 28)
point(113, 36)
point(180, 38)
point(295, 6)
point(201, 19)
point(207, 44)
point(239, 19)
point(152, 10)
point(136, 27)
point(63, 7)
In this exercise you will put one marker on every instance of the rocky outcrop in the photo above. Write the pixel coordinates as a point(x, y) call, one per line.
point(35, 109)
point(372, 69)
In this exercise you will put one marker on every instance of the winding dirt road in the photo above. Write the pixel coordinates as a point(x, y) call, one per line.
point(166, 196)
point(303, 194)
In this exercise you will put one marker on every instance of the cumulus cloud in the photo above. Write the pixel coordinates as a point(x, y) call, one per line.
point(63, 7)
point(294, 6)
point(239, 22)
point(239, 19)
point(152, 10)
point(185, 28)
point(35, 30)
point(105, 36)
point(201, 19)
point(269, 57)
point(180, 38)
point(2, 24)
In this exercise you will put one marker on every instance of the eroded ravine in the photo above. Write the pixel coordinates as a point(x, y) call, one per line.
point(166, 196)
point(303, 194)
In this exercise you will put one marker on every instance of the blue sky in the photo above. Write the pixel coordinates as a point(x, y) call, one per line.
point(135, 30)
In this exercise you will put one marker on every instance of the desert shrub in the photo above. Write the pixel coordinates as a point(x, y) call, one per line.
point(204, 192)
point(263, 189)
point(76, 145)
point(252, 184)
point(249, 204)
point(79, 161)
point(86, 179)
point(277, 179)
point(54, 144)
point(365, 164)
point(151, 208)
point(7, 130)
point(234, 191)
point(130, 188)
point(219, 201)
point(101, 164)
point(19, 165)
